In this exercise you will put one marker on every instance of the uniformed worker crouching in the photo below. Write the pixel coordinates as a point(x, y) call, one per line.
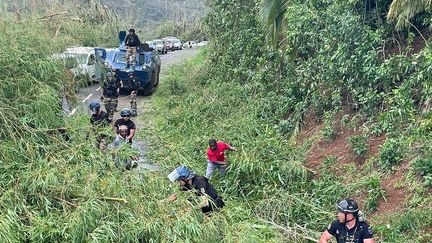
point(188, 181)
point(349, 226)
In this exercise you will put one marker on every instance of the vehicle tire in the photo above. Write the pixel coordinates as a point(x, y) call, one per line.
point(150, 87)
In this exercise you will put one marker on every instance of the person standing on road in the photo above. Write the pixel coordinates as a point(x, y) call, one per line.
point(134, 85)
point(99, 119)
point(110, 93)
point(349, 226)
point(131, 42)
point(188, 180)
point(216, 157)
point(125, 114)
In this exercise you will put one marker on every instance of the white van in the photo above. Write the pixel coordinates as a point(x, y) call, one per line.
point(86, 64)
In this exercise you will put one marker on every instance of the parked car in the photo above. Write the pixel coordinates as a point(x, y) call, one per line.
point(160, 46)
point(82, 63)
point(169, 44)
point(151, 44)
point(202, 43)
point(177, 44)
point(189, 44)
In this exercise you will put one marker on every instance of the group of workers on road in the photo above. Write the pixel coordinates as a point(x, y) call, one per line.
point(124, 129)
point(112, 84)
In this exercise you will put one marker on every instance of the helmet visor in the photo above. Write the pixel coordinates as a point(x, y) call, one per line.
point(174, 175)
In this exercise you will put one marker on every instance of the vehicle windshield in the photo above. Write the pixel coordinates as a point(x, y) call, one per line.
point(81, 57)
point(176, 41)
point(158, 42)
point(120, 57)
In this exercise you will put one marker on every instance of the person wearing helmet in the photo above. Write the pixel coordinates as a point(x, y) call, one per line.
point(216, 157)
point(131, 42)
point(110, 93)
point(98, 119)
point(134, 85)
point(99, 116)
point(125, 114)
point(348, 227)
point(188, 181)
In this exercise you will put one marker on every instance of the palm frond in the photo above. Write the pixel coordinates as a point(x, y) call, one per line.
point(401, 11)
point(272, 12)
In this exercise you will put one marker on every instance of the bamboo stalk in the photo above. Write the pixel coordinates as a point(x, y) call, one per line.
point(115, 199)
point(288, 230)
point(65, 201)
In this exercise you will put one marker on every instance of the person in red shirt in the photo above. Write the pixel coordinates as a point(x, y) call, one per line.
point(216, 157)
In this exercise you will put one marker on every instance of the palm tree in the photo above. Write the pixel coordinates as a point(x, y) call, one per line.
point(272, 12)
point(401, 11)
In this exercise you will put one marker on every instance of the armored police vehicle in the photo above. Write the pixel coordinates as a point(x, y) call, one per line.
point(144, 73)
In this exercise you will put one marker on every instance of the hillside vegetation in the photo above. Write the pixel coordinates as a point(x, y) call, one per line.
point(153, 18)
point(327, 110)
point(335, 111)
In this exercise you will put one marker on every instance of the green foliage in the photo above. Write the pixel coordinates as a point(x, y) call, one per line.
point(423, 166)
point(329, 131)
point(330, 59)
point(358, 144)
point(329, 160)
point(183, 30)
point(391, 153)
point(406, 226)
point(375, 191)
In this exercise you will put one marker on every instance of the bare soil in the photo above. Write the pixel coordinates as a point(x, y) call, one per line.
point(393, 183)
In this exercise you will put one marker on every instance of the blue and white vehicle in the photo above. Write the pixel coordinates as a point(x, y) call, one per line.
point(146, 69)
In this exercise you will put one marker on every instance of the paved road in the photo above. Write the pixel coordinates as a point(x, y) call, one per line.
point(87, 94)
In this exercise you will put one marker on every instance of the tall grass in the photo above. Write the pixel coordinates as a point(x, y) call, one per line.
point(55, 186)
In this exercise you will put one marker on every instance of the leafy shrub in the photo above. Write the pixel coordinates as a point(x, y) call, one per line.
point(328, 131)
point(375, 191)
point(423, 166)
point(391, 153)
point(358, 144)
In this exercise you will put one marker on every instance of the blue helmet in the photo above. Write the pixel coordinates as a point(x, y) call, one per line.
point(125, 112)
point(94, 106)
point(180, 173)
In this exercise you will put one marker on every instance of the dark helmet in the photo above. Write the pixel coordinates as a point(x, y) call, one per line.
point(94, 106)
point(125, 112)
point(132, 30)
point(180, 173)
point(348, 206)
